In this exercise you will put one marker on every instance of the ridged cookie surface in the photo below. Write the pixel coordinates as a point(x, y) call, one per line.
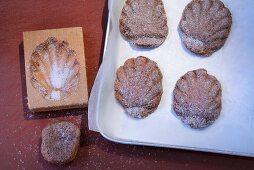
point(144, 23)
point(205, 26)
point(138, 86)
point(197, 98)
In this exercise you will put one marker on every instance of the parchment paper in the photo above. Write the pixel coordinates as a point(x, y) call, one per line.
point(233, 65)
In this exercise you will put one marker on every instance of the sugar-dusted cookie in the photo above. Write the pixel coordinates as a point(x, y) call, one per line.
point(144, 23)
point(205, 26)
point(138, 86)
point(197, 98)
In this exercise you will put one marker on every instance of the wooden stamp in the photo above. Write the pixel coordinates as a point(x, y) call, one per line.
point(55, 69)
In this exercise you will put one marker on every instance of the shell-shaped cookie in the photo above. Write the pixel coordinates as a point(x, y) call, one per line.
point(197, 98)
point(205, 26)
point(54, 69)
point(144, 23)
point(138, 86)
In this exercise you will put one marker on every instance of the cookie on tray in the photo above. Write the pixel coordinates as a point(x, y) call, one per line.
point(197, 98)
point(138, 86)
point(60, 142)
point(144, 23)
point(205, 26)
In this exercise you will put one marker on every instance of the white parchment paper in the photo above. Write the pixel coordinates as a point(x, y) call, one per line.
point(233, 65)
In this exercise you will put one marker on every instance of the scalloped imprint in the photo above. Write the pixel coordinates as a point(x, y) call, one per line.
point(205, 26)
point(54, 69)
point(144, 23)
point(197, 98)
point(138, 86)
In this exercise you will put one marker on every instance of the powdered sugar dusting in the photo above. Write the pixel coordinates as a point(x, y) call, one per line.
point(138, 86)
point(205, 26)
point(197, 98)
point(58, 76)
point(135, 110)
point(54, 69)
point(60, 142)
point(193, 42)
point(144, 23)
point(55, 95)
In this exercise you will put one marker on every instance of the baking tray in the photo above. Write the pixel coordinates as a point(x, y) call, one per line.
point(232, 133)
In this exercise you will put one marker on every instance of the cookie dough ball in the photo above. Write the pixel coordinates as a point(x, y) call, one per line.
point(205, 26)
point(138, 86)
point(197, 98)
point(60, 142)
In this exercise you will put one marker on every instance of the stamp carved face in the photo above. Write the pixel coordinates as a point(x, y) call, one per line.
point(54, 69)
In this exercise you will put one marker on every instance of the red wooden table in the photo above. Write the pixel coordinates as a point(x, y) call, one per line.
point(20, 129)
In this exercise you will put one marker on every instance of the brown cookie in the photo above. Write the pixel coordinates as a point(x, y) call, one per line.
point(138, 86)
point(205, 26)
point(197, 98)
point(144, 23)
point(60, 142)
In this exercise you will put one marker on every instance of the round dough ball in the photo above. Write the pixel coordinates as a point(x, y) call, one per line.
point(60, 142)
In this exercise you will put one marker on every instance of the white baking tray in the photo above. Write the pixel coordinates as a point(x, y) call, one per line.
point(233, 65)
